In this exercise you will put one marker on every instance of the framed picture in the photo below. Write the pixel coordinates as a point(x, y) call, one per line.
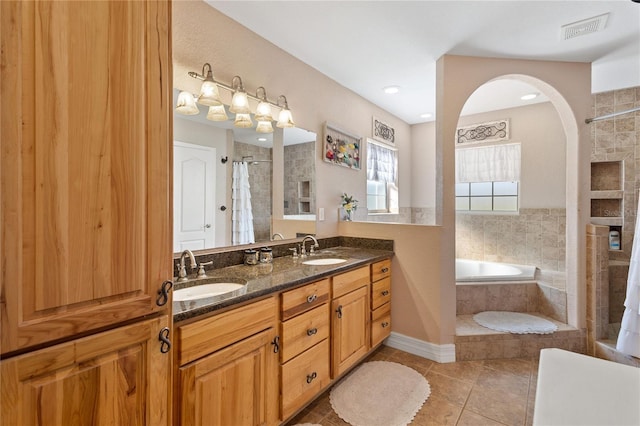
point(383, 132)
point(341, 148)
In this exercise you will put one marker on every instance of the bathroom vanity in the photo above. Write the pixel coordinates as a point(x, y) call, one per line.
point(262, 356)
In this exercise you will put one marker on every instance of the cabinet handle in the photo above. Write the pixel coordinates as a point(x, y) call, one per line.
point(385, 270)
point(311, 376)
point(165, 343)
point(312, 331)
point(163, 293)
point(385, 293)
point(312, 298)
point(385, 324)
point(276, 344)
point(339, 311)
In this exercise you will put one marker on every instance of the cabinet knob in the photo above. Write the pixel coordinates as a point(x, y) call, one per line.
point(311, 376)
point(312, 298)
point(385, 324)
point(312, 331)
point(385, 293)
point(385, 270)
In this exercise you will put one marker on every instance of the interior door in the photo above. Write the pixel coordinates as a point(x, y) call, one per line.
point(194, 196)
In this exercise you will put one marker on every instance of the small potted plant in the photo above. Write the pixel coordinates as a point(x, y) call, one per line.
point(349, 204)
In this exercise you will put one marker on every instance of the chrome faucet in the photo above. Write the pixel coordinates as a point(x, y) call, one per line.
point(303, 250)
point(182, 270)
point(277, 234)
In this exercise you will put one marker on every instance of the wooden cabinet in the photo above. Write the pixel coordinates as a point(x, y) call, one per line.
point(350, 319)
point(228, 368)
point(305, 345)
point(86, 159)
point(114, 377)
point(380, 301)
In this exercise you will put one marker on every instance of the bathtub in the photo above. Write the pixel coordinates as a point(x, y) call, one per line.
point(480, 271)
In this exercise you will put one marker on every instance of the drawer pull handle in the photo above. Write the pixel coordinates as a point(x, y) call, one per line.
point(385, 324)
point(163, 293)
point(312, 298)
point(311, 376)
point(165, 343)
point(312, 331)
point(339, 311)
point(276, 344)
point(385, 270)
point(385, 293)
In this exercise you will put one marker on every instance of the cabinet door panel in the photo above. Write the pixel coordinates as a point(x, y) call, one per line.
point(350, 327)
point(237, 385)
point(85, 165)
point(101, 379)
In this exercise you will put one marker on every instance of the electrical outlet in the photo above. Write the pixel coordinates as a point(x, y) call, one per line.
point(321, 213)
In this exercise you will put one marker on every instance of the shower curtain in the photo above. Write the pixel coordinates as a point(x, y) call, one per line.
point(629, 337)
point(242, 217)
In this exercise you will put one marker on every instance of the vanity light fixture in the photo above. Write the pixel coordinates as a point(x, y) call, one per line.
point(240, 101)
point(210, 96)
point(285, 119)
point(186, 104)
point(209, 93)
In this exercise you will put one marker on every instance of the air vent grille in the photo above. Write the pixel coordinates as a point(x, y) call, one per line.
point(584, 27)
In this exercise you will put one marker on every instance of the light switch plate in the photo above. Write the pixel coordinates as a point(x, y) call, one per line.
point(321, 213)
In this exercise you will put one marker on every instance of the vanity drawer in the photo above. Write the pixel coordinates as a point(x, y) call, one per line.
point(304, 331)
point(381, 269)
point(304, 376)
point(206, 336)
point(380, 324)
point(349, 281)
point(380, 292)
point(304, 298)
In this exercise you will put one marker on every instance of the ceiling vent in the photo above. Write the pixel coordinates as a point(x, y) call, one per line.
point(584, 27)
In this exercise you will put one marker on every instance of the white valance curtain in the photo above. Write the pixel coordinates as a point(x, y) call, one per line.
point(382, 163)
point(495, 163)
point(242, 216)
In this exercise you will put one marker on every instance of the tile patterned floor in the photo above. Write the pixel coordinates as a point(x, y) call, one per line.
point(470, 393)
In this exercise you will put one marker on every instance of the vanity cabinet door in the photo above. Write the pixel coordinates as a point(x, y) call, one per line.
point(86, 136)
point(350, 329)
point(236, 386)
point(117, 377)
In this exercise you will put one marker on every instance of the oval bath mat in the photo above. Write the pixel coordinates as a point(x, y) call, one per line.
point(380, 393)
point(514, 322)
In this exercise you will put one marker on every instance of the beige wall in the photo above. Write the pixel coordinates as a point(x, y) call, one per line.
point(423, 277)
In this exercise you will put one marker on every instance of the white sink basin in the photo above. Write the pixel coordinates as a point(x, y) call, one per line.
point(325, 261)
point(205, 290)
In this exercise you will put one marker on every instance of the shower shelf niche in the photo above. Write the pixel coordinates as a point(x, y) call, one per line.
point(606, 193)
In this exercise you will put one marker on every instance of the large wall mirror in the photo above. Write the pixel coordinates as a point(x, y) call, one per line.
point(204, 156)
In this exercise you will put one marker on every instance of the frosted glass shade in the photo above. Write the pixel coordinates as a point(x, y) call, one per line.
point(186, 104)
point(240, 103)
point(243, 121)
point(285, 119)
point(209, 94)
point(264, 127)
point(263, 112)
point(217, 113)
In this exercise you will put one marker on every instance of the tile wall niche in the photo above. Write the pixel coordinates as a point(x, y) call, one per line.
point(299, 179)
point(260, 182)
point(615, 159)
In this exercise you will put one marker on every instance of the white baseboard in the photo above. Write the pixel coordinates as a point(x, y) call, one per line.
point(437, 353)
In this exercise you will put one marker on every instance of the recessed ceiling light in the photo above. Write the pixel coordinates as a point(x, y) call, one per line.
point(390, 90)
point(529, 96)
point(262, 139)
point(426, 115)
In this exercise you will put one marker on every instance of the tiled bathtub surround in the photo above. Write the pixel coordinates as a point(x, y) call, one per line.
point(532, 237)
point(528, 297)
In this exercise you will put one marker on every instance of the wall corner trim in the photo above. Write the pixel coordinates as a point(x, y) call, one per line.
point(438, 353)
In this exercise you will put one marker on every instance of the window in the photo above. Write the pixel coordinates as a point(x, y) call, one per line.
point(487, 196)
point(382, 177)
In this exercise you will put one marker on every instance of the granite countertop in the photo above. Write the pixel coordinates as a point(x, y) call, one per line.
point(284, 273)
